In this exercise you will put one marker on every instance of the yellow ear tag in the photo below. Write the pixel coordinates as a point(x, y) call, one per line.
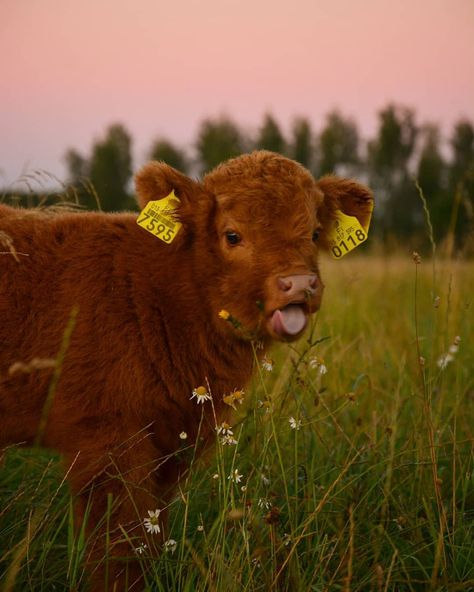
point(158, 218)
point(346, 234)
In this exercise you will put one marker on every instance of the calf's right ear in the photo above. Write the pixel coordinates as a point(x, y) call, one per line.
point(157, 180)
point(344, 195)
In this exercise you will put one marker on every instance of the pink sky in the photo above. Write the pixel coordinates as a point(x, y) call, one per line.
point(68, 69)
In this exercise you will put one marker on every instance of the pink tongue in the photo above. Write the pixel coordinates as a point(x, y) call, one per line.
point(289, 321)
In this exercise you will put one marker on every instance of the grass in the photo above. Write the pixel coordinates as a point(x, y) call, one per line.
point(374, 491)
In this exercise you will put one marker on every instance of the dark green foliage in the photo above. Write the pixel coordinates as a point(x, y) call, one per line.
point(389, 157)
point(166, 151)
point(111, 168)
point(103, 180)
point(462, 143)
point(432, 177)
point(302, 145)
point(391, 150)
point(218, 140)
point(270, 136)
point(77, 166)
point(338, 143)
point(461, 182)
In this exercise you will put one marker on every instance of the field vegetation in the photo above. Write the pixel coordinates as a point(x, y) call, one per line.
point(350, 465)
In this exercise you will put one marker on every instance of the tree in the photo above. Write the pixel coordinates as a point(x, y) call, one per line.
point(302, 149)
point(390, 152)
point(462, 144)
point(461, 182)
point(389, 157)
point(218, 140)
point(431, 176)
point(166, 151)
point(270, 136)
point(431, 165)
point(111, 168)
point(338, 143)
point(77, 166)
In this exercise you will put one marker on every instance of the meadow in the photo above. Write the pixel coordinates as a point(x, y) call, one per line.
point(349, 467)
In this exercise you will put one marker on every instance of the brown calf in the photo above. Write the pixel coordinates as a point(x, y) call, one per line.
point(150, 327)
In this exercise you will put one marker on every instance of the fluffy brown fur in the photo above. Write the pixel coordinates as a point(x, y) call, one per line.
point(148, 331)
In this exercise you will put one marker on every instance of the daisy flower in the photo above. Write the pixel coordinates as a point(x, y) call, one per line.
point(235, 476)
point(224, 429)
point(229, 440)
point(266, 406)
point(201, 395)
point(151, 523)
point(142, 547)
point(263, 503)
point(318, 363)
point(295, 424)
point(234, 398)
point(170, 545)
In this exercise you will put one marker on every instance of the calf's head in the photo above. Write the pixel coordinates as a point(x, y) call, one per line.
point(254, 227)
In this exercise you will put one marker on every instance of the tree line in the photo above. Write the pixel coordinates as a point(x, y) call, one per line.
point(410, 166)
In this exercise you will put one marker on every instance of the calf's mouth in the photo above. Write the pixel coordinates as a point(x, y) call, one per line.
point(288, 322)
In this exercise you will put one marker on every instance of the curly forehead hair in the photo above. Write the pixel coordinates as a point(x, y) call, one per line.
point(257, 167)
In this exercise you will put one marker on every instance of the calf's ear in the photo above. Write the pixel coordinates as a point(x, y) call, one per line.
point(157, 180)
point(345, 195)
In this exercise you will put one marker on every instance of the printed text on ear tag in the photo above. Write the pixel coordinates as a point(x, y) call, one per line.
point(158, 218)
point(346, 234)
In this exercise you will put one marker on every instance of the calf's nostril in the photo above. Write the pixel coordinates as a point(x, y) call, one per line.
point(285, 285)
point(313, 282)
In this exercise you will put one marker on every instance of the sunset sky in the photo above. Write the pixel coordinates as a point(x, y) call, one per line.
point(70, 68)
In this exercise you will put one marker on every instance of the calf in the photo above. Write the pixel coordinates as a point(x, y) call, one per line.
point(150, 320)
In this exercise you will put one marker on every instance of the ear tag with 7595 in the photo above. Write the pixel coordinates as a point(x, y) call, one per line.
point(158, 218)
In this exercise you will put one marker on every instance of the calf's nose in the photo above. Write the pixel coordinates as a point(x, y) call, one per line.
point(298, 286)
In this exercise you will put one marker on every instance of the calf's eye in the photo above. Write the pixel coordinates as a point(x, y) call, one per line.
point(233, 238)
point(315, 236)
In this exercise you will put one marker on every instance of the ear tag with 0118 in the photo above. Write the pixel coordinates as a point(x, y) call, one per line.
point(346, 234)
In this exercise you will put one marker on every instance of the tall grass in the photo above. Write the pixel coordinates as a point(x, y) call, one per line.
point(371, 489)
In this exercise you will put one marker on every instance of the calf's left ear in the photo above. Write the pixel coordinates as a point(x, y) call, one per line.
point(344, 195)
point(157, 180)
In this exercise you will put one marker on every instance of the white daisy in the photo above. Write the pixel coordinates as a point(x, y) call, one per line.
point(170, 545)
point(142, 547)
point(318, 363)
point(235, 476)
point(201, 395)
point(229, 440)
point(151, 523)
point(224, 429)
point(295, 424)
